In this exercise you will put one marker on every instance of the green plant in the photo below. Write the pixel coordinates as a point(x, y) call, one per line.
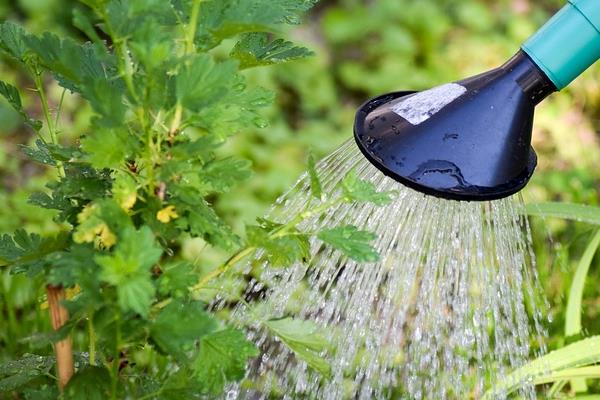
point(165, 98)
point(579, 360)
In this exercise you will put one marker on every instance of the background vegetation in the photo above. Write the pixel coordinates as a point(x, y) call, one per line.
point(363, 48)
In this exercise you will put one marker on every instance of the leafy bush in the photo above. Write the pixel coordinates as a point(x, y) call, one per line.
point(138, 182)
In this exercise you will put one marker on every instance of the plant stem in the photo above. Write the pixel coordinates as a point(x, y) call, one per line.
point(237, 257)
point(45, 108)
point(189, 48)
point(277, 233)
point(50, 123)
point(192, 26)
point(63, 349)
point(59, 110)
point(92, 339)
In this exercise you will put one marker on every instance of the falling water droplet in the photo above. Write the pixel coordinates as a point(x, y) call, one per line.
point(450, 293)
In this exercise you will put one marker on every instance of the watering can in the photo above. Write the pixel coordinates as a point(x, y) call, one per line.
point(471, 139)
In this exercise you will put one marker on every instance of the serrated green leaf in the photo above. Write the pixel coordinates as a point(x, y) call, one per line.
point(305, 339)
point(84, 68)
point(12, 95)
point(12, 40)
point(151, 46)
point(107, 147)
point(180, 325)
point(222, 358)
point(27, 362)
point(181, 386)
point(200, 220)
point(136, 294)
point(175, 279)
point(202, 82)
point(83, 22)
point(74, 266)
point(315, 184)
point(76, 189)
point(128, 17)
point(203, 222)
point(28, 252)
point(281, 251)
point(222, 175)
point(352, 242)
point(136, 251)
point(106, 98)
point(92, 383)
point(40, 153)
point(356, 189)
point(16, 373)
point(75, 65)
point(128, 268)
point(255, 49)
point(223, 19)
point(233, 112)
point(286, 250)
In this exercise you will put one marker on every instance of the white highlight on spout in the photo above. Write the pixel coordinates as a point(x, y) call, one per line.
point(421, 106)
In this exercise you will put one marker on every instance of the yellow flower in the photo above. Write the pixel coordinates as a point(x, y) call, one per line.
point(92, 229)
point(167, 214)
point(128, 201)
point(107, 238)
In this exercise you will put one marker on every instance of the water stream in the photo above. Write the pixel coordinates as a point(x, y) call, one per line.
point(448, 308)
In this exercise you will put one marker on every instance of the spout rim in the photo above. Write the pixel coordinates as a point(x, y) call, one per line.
point(470, 193)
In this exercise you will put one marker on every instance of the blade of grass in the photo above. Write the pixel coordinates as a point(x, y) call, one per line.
point(570, 374)
point(578, 354)
point(555, 389)
point(570, 211)
point(573, 314)
point(574, 308)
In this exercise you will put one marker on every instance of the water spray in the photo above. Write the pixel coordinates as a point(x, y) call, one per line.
point(444, 311)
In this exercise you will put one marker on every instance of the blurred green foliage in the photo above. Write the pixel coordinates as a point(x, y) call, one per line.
point(363, 48)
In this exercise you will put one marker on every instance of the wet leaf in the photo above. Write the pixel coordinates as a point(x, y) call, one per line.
point(222, 358)
point(40, 153)
point(255, 49)
point(222, 175)
point(12, 95)
point(12, 40)
point(351, 241)
point(180, 325)
point(16, 373)
point(356, 189)
point(90, 382)
point(305, 339)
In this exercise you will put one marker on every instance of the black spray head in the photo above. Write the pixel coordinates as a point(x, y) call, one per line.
point(469, 140)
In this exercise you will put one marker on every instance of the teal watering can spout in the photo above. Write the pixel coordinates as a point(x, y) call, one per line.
point(568, 43)
point(470, 140)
